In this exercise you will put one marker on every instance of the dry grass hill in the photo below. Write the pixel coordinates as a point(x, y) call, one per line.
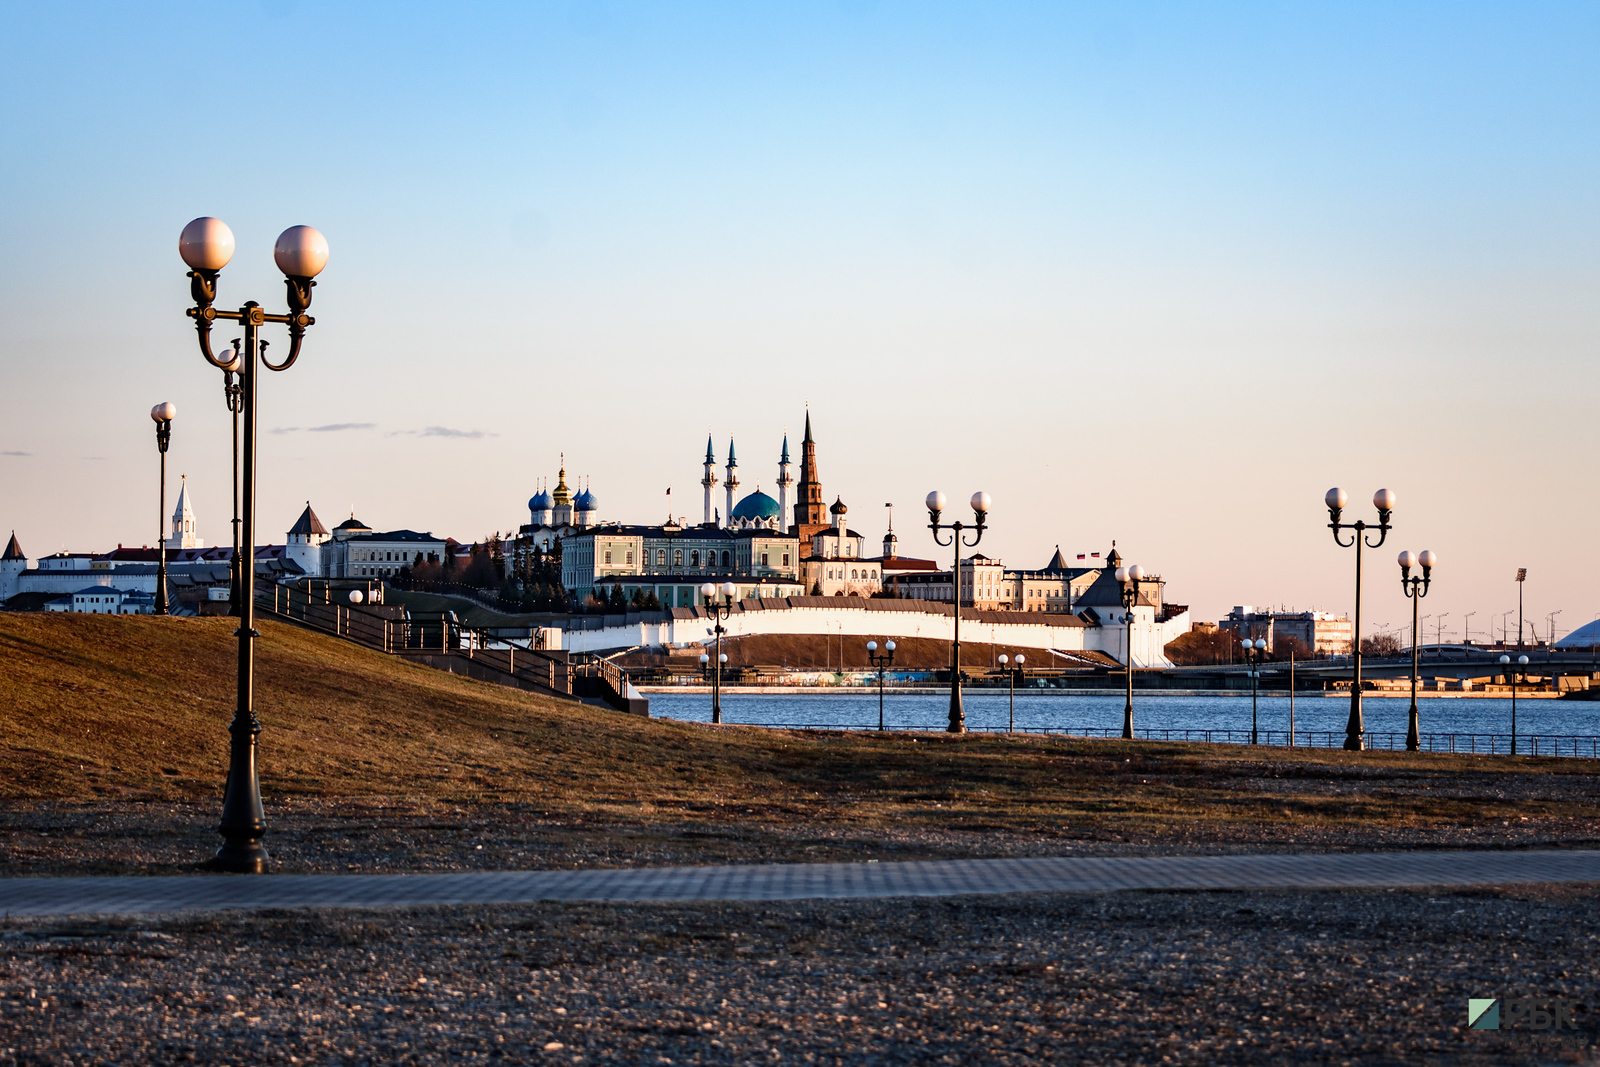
point(112, 717)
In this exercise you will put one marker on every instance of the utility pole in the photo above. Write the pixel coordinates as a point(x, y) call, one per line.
point(1522, 578)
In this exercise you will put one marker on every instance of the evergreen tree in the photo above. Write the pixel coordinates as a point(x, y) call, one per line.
point(618, 602)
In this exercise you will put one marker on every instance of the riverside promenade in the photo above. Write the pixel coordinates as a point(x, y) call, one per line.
point(136, 895)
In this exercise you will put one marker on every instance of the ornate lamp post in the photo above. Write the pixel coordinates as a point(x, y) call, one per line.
point(1254, 652)
point(1129, 578)
point(1415, 588)
point(162, 415)
point(719, 611)
point(1012, 673)
point(980, 511)
point(880, 662)
point(233, 393)
point(1513, 676)
point(1383, 500)
point(206, 245)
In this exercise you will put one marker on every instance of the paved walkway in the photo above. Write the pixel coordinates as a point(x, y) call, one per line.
point(142, 895)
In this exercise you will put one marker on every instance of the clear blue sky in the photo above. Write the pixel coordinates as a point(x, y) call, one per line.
point(1160, 273)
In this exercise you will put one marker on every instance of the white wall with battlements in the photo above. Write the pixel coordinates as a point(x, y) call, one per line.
point(881, 622)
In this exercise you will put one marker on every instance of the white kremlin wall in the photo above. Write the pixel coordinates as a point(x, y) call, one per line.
point(880, 620)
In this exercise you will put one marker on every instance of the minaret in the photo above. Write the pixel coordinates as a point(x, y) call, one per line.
point(809, 510)
point(710, 480)
point(733, 479)
point(785, 480)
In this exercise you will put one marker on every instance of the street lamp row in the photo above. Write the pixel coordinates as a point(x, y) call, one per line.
point(1384, 501)
point(207, 246)
point(980, 511)
point(1128, 580)
point(719, 610)
point(162, 415)
point(1416, 588)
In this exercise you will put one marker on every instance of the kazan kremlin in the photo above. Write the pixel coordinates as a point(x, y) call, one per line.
point(796, 565)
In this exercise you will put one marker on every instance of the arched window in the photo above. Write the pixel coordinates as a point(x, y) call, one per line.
point(661, 557)
point(724, 560)
point(694, 558)
point(853, 573)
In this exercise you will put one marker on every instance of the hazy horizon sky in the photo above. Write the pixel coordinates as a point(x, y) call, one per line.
point(1158, 273)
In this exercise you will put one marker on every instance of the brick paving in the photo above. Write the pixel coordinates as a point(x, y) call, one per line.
point(838, 881)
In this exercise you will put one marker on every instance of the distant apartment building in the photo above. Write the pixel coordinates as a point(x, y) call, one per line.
point(1323, 632)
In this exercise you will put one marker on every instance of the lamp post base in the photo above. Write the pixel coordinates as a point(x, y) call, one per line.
point(241, 856)
point(958, 714)
point(1127, 723)
point(1413, 732)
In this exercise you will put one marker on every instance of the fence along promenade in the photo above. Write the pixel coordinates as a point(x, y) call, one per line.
point(434, 641)
point(1576, 746)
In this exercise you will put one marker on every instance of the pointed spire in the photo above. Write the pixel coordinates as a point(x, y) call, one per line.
point(711, 451)
point(733, 461)
point(13, 550)
point(785, 457)
point(808, 426)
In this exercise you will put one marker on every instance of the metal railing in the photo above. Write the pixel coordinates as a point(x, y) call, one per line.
point(1580, 746)
point(397, 632)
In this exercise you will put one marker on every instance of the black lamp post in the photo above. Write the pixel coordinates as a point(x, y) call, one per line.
point(1416, 589)
point(233, 393)
point(162, 415)
point(718, 611)
point(1012, 674)
point(886, 659)
point(1254, 652)
point(1513, 676)
point(1383, 500)
point(980, 511)
point(206, 245)
point(1129, 578)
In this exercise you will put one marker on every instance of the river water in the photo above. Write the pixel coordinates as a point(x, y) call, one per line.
point(1084, 713)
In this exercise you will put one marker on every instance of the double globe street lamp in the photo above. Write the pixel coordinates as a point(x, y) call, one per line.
point(206, 245)
point(980, 510)
point(162, 415)
point(1416, 588)
point(1512, 677)
point(1012, 674)
point(1255, 652)
point(880, 661)
point(718, 610)
point(1129, 579)
point(1384, 500)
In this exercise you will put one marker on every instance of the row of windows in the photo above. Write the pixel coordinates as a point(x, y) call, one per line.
point(857, 573)
point(694, 558)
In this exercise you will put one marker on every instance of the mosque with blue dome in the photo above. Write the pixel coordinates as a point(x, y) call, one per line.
point(767, 546)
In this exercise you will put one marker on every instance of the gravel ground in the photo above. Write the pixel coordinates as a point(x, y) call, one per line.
point(1195, 977)
point(310, 835)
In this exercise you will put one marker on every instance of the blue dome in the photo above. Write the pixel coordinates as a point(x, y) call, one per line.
point(540, 501)
point(757, 505)
point(586, 501)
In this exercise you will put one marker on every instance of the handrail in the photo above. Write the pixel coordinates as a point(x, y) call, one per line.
point(414, 634)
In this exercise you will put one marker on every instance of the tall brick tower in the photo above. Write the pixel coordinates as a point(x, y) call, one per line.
point(810, 513)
